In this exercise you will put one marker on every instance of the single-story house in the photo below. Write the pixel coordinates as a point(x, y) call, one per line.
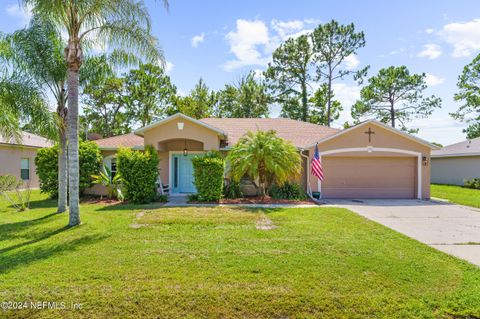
point(457, 162)
point(17, 158)
point(369, 160)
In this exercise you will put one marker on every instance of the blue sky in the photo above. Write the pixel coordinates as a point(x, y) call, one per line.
point(222, 40)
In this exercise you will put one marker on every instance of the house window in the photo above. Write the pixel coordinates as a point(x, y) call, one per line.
point(25, 169)
point(113, 167)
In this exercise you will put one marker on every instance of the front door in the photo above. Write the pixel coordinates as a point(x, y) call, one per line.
point(182, 174)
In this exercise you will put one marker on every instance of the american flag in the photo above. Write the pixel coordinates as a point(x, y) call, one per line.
point(317, 169)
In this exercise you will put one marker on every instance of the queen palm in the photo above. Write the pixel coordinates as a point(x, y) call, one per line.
point(37, 54)
point(113, 23)
point(265, 158)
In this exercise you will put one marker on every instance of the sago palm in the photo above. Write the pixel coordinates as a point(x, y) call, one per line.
point(108, 23)
point(265, 158)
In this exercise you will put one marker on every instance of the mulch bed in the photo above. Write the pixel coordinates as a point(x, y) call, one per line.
point(258, 200)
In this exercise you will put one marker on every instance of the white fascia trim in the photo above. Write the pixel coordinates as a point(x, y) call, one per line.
point(371, 149)
point(455, 155)
point(142, 130)
point(383, 125)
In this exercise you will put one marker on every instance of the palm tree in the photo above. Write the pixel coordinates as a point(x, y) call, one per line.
point(37, 53)
point(22, 103)
point(265, 158)
point(113, 23)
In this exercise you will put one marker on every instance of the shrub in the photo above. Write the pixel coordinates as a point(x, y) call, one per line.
point(232, 190)
point(473, 183)
point(46, 164)
point(9, 183)
point(162, 198)
point(291, 191)
point(208, 172)
point(113, 185)
point(139, 171)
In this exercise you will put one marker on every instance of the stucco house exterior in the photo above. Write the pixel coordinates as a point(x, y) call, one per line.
point(369, 160)
point(17, 158)
point(453, 164)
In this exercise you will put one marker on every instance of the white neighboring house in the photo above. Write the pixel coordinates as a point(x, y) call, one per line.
point(456, 163)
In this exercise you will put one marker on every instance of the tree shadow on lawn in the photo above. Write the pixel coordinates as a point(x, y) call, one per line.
point(9, 231)
point(27, 255)
point(130, 207)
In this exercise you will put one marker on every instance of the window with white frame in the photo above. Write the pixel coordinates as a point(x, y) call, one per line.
point(25, 169)
point(113, 168)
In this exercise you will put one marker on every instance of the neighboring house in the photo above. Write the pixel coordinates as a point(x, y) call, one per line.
point(369, 160)
point(17, 158)
point(457, 162)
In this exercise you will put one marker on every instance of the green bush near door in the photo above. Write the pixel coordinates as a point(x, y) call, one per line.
point(139, 171)
point(208, 172)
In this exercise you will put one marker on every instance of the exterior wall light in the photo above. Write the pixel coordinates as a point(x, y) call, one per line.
point(424, 161)
point(180, 126)
point(185, 150)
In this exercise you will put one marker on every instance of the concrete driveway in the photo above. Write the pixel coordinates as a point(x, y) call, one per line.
point(450, 228)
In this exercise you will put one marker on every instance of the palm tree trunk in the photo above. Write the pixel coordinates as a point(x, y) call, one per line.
point(62, 169)
point(73, 163)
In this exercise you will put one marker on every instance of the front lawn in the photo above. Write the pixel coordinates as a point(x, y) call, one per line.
point(456, 194)
point(153, 262)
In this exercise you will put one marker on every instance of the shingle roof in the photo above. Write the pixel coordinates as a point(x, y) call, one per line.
point(301, 134)
point(28, 139)
point(465, 148)
point(126, 140)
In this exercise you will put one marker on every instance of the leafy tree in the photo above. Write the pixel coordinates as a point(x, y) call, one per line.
point(393, 95)
point(288, 76)
point(148, 94)
point(332, 44)
point(116, 23)
point(320, 104)
point(37, 53)
point(473, 130)
point(265, 158)
point(469, 93)
point(104, 108)
point(200, 103)
point(247, 99)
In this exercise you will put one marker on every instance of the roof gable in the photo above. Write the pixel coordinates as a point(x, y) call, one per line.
point(382, 125)
point(142, 130)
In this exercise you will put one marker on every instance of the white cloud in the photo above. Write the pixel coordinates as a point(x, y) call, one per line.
point(351, 62)
point(245, 42)
point(429, 31)
point(464, 37)
point(430, 51)
point(252, 42)
point(169, 67)
point(17, 11)
point(433, 80)
point(347, 95)
point(196, 40)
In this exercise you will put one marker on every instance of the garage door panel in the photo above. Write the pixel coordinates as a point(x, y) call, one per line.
point(369, 177)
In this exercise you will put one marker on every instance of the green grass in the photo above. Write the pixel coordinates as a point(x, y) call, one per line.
point(153, 262)
point(456, 194)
